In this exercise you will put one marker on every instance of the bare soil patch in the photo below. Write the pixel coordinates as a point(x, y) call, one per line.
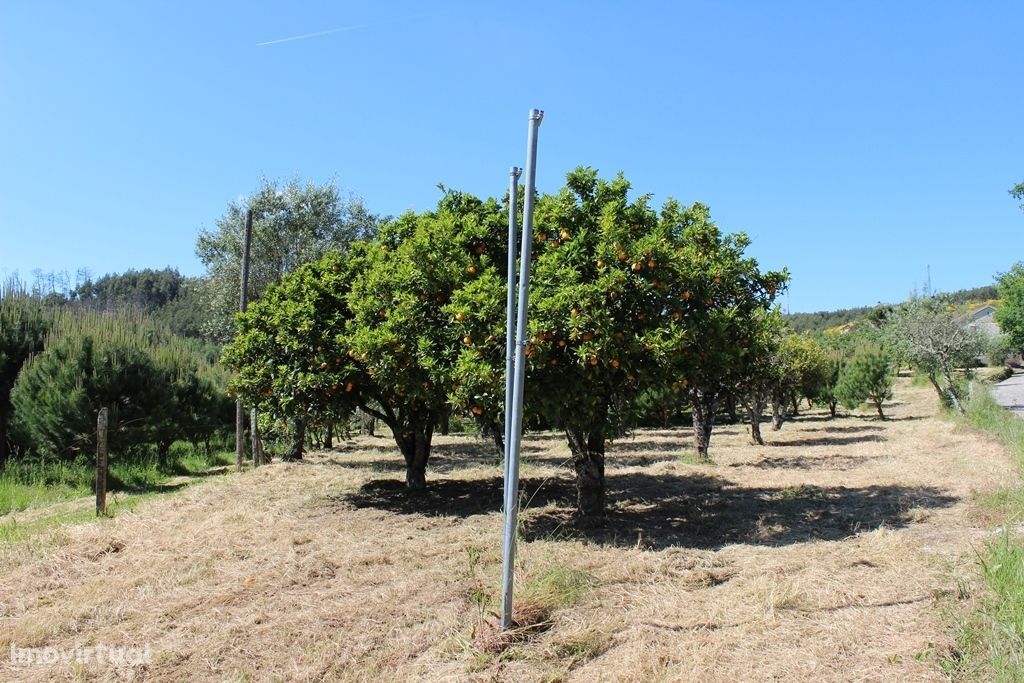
point(827, 554)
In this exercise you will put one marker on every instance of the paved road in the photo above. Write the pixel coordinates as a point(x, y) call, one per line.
point(1010, 393)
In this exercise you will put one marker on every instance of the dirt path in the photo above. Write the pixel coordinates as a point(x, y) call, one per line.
point(824, 556)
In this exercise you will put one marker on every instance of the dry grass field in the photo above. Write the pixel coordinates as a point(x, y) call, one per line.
point(829, 554)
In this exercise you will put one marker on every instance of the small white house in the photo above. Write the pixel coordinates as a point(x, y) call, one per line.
point(983, 320)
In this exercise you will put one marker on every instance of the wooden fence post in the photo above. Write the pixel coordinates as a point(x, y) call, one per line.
point(101, 462)
point(243, 300)
point(257, 445)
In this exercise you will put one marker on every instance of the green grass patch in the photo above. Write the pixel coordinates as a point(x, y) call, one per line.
point(30, 484)
point(558, 588)
point(34, 483)
point(13, 532)
point(990, 640)
point(691, 458)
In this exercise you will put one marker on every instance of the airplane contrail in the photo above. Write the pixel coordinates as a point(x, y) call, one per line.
point(333, 30)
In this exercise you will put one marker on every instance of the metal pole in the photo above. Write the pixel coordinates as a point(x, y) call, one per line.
point(515, 441)
point(510, 305)
point(243, 301)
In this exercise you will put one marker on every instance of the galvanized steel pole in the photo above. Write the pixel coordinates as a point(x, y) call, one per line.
point(516, 434)
point(510, 304)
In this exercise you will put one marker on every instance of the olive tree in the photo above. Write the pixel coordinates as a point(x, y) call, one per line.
point(293, 223)
point(934, 339)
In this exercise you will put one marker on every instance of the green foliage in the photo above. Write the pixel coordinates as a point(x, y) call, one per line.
point(293, 223)
point(835, 356)
point(869, 376)
point(163, 295)
point(290, 356)
point(1010, 314)
point(407, 326)
point(1017, 192)
point(34, 482)
point(628, 307)
point(590, 311)
point(806, 366)
point(145, 290)
point(371, 327)
point(24, 323)
point(819, 321)
point(157, 386)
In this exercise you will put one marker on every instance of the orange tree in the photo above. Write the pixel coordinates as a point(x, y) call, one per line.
point(759, 370)
point(624, 300)
point(401, 327)
point(371, 328)
point(287, 355)
point(723, 299)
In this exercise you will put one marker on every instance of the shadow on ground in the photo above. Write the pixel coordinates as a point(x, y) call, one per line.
point(657, 512)
point(846, 429)
point(550, 451)
point(827, 441)
point(833, 461)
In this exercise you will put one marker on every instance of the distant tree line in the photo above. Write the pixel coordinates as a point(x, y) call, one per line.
point(820, 321)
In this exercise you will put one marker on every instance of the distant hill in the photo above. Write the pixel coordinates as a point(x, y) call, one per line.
point(824, 320)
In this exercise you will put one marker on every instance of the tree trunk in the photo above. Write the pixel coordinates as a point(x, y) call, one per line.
point(329, 437)
point(730, 408)
point(703, 421)
point(778, 413)
point(878, 407)
point(163, 452)
point(367, 423)
point(499, 439)
point(755, 425)
point(588, 461)
point(445, 418)
point(832, 407)
point(298, 440)
point(954, 400)
point(795, 404)
point(415, 448)
point(663, 416)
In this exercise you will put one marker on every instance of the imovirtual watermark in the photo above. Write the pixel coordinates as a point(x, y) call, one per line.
point(104, 655)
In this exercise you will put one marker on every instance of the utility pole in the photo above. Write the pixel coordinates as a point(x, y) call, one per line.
point(243, 301)
point(519, 373)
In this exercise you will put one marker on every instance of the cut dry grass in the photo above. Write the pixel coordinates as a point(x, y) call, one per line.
point(824, 555)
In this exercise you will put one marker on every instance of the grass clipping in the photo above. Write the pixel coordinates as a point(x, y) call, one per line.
point(555, 589)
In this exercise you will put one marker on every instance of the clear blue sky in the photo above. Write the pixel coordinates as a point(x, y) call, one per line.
point(857, 143)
